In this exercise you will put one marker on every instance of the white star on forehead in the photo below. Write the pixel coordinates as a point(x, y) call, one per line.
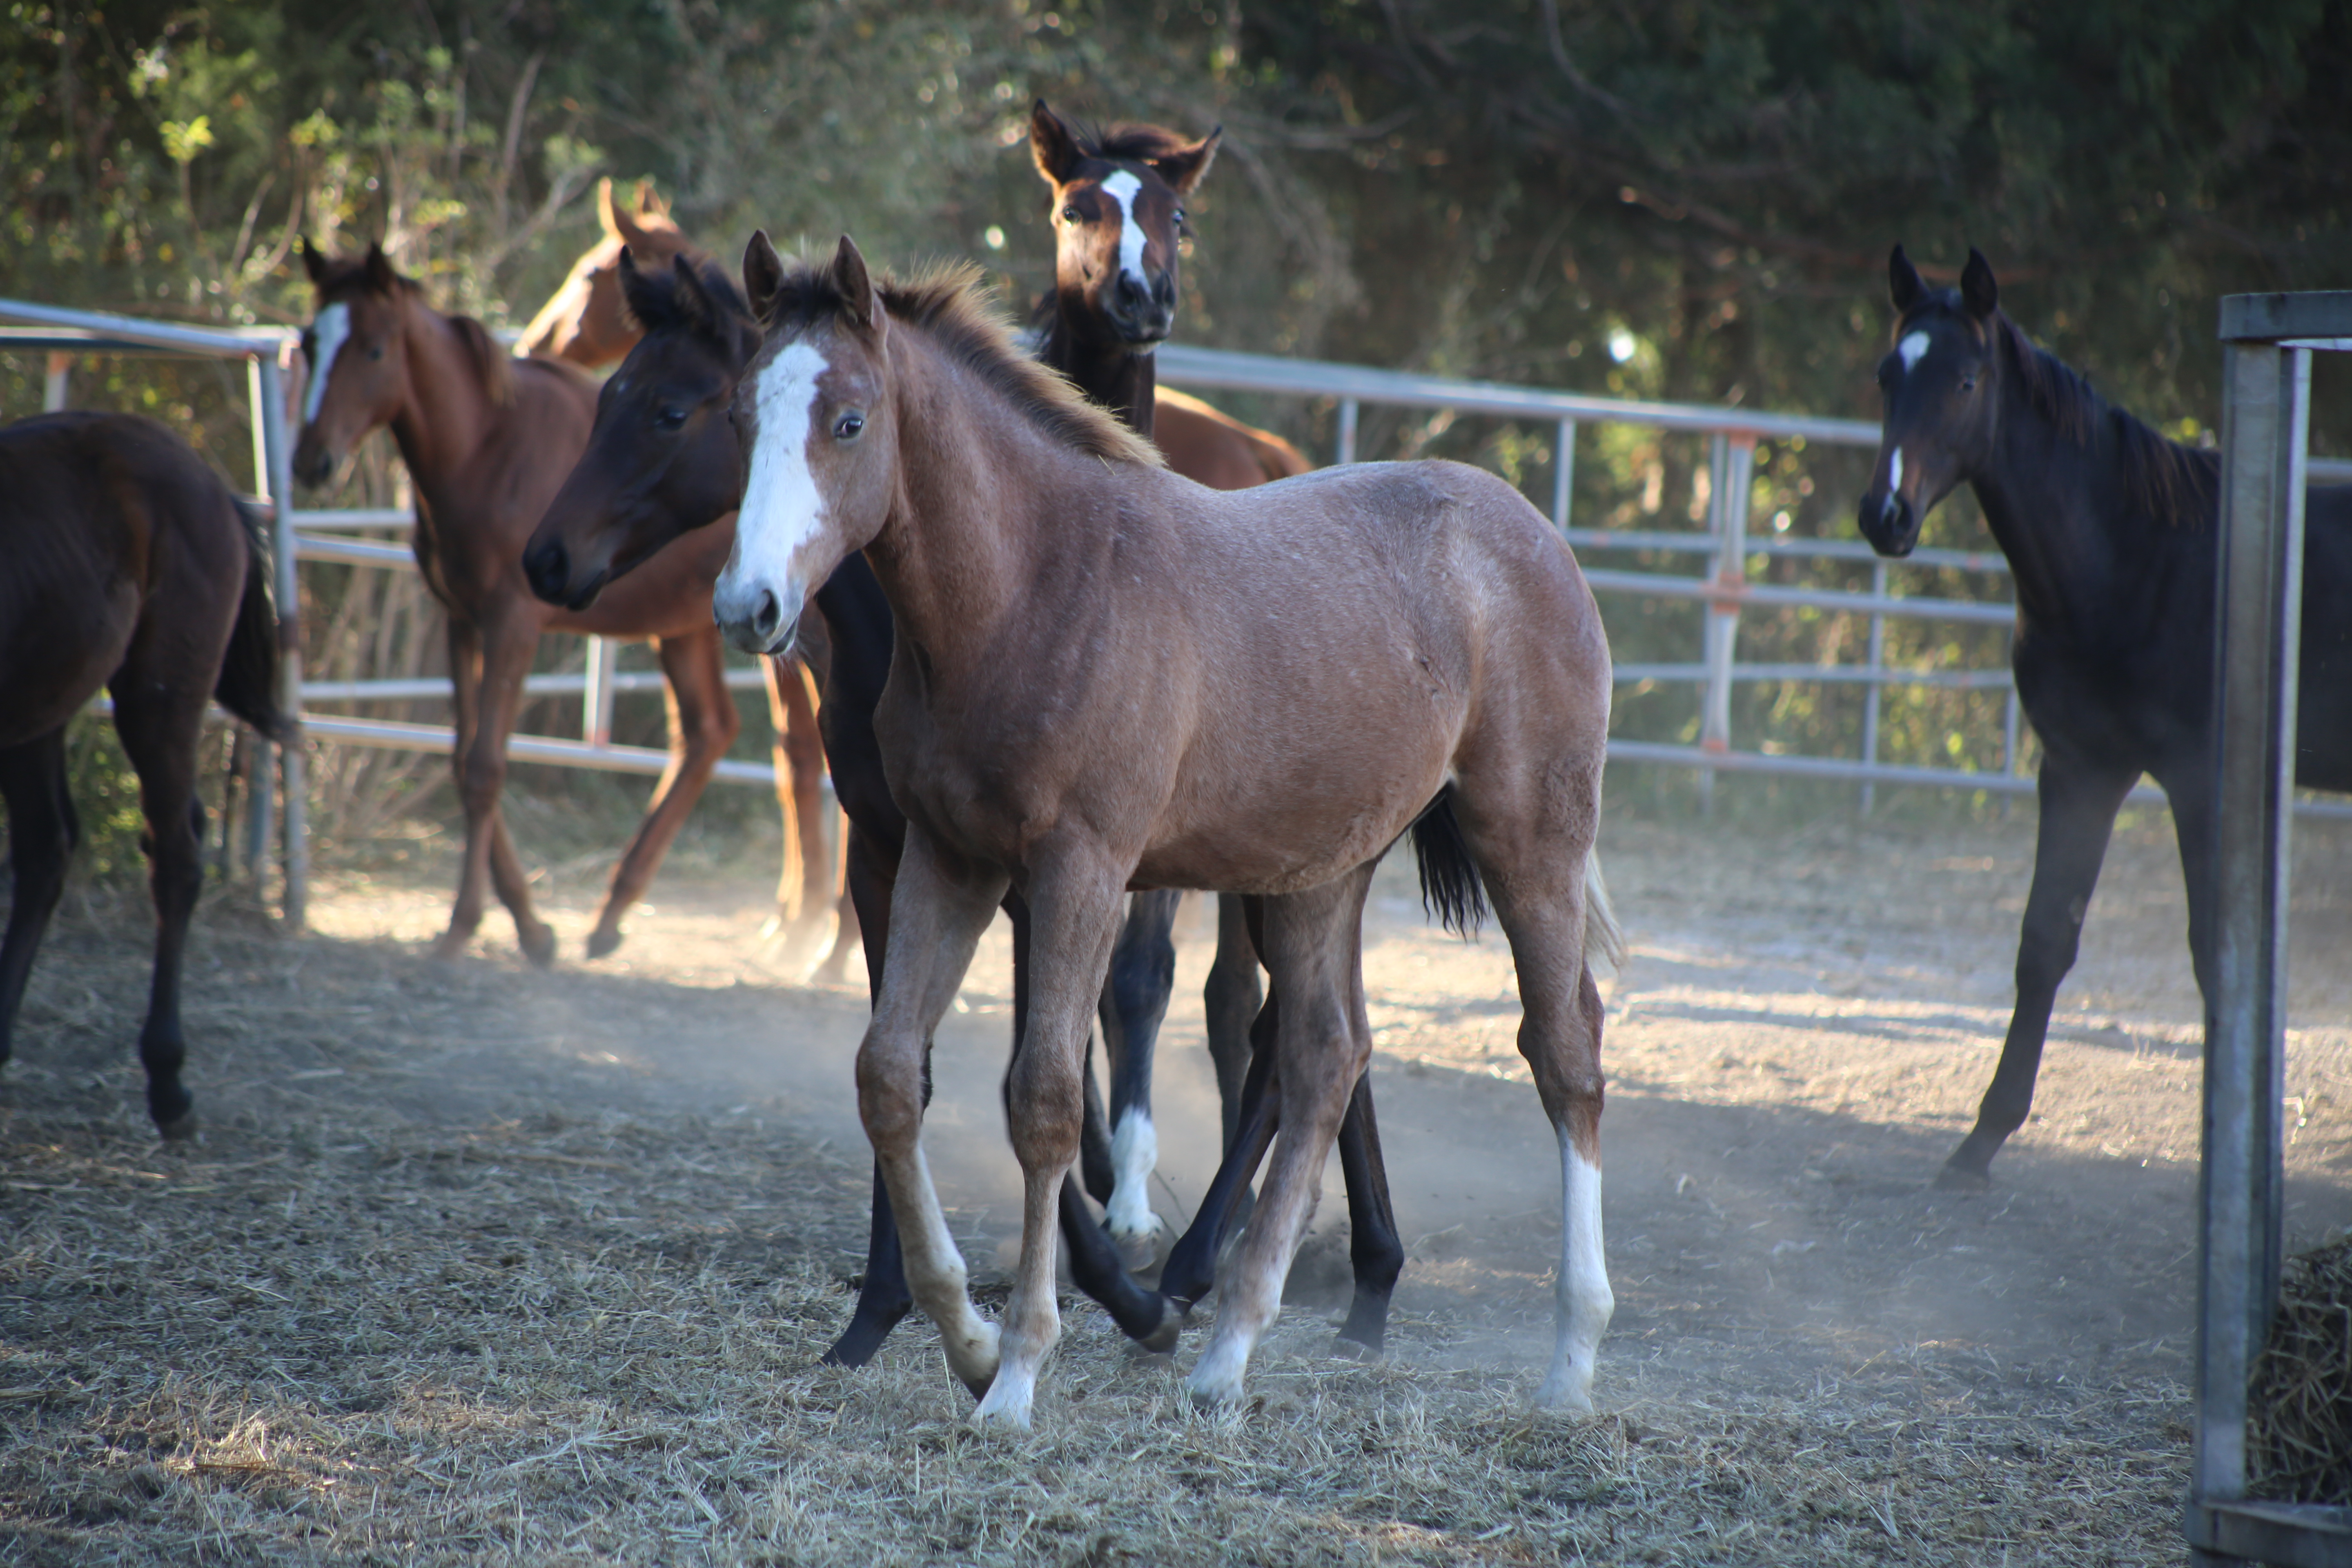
point(1913, 348)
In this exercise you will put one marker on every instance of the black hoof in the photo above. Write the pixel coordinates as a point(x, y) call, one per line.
point(1163, 1340)
point(539, 948)
point(1347, 1349)
point(180, 1128)
point(602, 941)
point(1956, 1177)
point(859, 1342)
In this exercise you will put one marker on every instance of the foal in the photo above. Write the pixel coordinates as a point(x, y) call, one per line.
point(124, 563)
point(1107, 677)
point(2109, 531)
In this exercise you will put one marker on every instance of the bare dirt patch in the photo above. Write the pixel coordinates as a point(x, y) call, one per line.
point(478, 1264)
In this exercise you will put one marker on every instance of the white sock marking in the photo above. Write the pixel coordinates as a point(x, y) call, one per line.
point(327, 335)
point(1134, 1155)
point(782, 509)
point(1123, 187)
point(1913, 348)
point(1584, 1302)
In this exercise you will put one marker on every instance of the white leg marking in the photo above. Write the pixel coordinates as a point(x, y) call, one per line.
point(1122, 188)
point(1913, 348)
point(1583, 1299)
point(935, 1270)
point(783, 511)
point(1134, 1155)
point(327, 335)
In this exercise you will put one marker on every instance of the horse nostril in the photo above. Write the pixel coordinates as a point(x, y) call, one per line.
point(1163, 292)
point(764, 618)
point(549, 567)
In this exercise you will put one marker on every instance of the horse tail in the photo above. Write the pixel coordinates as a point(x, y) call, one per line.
point(247, 686)
point(1451, 888)
point(1604, 938)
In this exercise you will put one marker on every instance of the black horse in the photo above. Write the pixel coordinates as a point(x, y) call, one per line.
point(2110, 535)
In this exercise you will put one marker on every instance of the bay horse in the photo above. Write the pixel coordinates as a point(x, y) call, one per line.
point(125, 562)
point(664, 459)
point(488, 438)
point(1106, 677)
point(585, 324)
point(2110, 532)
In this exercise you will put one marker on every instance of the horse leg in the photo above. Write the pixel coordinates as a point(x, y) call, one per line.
point(846, 936)
point(804, 889)
point(504, 648)
point(1375, 1250)
point(1232, 999)
point(1133, 1005)
point(160, 727)
point(1191, 1271)
point(42, 833)
point(702, 724)
point(938, 913)
point(1074, 896)
point(2079, 802)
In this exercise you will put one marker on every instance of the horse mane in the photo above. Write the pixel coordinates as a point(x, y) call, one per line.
point(950, 301)
point(1128, 144)
point(491, 362)
point(2163, 478)
point(656, 300)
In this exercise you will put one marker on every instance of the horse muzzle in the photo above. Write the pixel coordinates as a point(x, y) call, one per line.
point(1889, 522)
point(314, 462)
point(1143, 315)
point(758, 619)
point(547, 566)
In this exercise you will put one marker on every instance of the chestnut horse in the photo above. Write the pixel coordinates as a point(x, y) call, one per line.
point(124, 563)
point(584, 322)
point(1106, 677)
point(663, 458)
point(2110, 533)
point(487, 440)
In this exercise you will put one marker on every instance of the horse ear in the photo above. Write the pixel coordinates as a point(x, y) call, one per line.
point(763, 274)
point(861, 301)
point(693, 299)
point(1183, 168)
point(1051, 144)
point(638, 291)
point(381, 278)
point(1978, 290)
point(1903, 282)
point(604, 215)
point(650, 202)
point(313, 263)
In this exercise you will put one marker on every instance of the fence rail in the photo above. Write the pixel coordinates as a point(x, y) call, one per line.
point(304, 535)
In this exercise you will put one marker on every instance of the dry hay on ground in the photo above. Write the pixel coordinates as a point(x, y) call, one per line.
point(2302, 1420)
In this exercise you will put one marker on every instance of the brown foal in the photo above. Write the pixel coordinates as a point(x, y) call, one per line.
point(1109, 677)
point(487, 440)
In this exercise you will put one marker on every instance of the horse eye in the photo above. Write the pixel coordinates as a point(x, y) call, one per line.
point(1967, 384)
point(1070, 214)
point(1180, 215)
point(669, 416)
point(848, 425)
point(376, 352)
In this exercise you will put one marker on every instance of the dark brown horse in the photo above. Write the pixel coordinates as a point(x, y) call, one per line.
point(124, 563)
point(488, 439)
point(1256, 692)
point(586, 324)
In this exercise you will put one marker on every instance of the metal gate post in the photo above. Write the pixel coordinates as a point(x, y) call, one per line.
point(270, 390)
point(1563, 474)
point(1347, 431)
point(597, 697)
point(2260, 601)
point(1731, 467)
point(57, 386)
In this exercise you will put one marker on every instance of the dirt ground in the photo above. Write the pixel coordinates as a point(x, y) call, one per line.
point(477, 1264)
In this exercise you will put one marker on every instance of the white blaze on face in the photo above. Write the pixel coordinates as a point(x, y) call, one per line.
point(782, 509)
point(1123, 187)
point(1894, 471)
point(1913, 348)
point(327, 334)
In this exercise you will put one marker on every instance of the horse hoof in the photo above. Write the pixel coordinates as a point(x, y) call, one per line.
point(1347, 1349)
point(451, 947)
point(1142, 1250)
point(1569, 1394)
point(1163, 1340)
point(180, 1128)
point(539, 948)
point(602, 941)
point(1955, 1178)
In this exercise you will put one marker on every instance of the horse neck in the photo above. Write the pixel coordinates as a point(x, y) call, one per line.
point(2079, 551)
point(448, 415)
point(971, 521)
point(1117, 377)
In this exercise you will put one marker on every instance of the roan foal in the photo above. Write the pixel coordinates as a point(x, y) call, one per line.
point(1107, 677)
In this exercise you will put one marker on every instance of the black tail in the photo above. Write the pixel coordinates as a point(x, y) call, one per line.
point(247, 686)
point(1450, 886)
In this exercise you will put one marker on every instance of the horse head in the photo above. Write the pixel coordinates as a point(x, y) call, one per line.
point(355, 350)
point(1939, 387)
point(819, 437)
point(662, 458)
point(1118, 220)
point(585, 320)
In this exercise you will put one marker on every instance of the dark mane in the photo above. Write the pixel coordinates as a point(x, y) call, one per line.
point(2164, 478)
point(1128, 144)
point(950, 301)
point(656, 299)
point(492, 364)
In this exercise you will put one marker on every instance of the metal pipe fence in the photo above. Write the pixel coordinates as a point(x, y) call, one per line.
point(1725, 588)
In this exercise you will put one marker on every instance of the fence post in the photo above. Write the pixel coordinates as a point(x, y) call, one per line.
point(596, 698)
point(1877, 675)
point(1732, 463)
point(57, 386)
point(1347, 430)
point(269, 388)
point(1563, 474)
